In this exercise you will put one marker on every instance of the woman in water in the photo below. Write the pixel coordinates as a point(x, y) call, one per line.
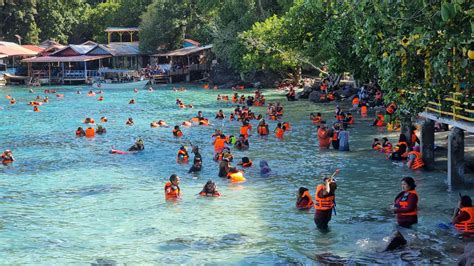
point(406, 203)
point(210, 190)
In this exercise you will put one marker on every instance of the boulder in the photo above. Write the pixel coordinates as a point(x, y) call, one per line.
point(314, 96)
point(467, 258)
point(396, 241)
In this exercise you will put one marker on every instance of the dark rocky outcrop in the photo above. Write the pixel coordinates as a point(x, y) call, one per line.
point(396, 241)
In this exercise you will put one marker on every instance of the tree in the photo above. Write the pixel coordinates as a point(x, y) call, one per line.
point(18, 18)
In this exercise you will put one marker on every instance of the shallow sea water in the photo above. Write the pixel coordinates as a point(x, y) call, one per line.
point(67, 200)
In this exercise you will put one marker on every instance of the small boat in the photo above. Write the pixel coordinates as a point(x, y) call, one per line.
point(127, 85)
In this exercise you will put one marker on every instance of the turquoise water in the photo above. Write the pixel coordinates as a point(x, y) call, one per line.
point(67, 200)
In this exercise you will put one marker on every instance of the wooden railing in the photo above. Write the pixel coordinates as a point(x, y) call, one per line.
point(457, 107)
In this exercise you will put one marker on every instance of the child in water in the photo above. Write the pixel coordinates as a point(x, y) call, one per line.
point(303, 200)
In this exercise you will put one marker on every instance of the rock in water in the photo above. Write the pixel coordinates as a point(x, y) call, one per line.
point(396, 241)
point(104, 262)
point(467, 258)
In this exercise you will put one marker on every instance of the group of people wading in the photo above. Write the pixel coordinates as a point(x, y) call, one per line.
point(405, 203)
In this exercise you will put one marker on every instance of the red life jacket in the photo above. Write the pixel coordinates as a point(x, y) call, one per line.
point(417, 162)
point(404, 204)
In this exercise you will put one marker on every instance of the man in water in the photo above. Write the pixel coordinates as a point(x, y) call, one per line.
point(324, 202)
point(138, 146)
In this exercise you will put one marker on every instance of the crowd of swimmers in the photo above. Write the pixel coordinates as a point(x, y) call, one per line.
point(405, 203)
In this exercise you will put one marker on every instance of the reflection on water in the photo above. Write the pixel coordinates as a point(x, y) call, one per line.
point(67, 200)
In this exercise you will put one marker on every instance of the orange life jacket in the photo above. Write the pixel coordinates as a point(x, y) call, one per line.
point(309, 204)
point(323, 139)
point(170, 193)
point(323, 204)
point(334, 135)
point(247, 164)
point(380, 121)
point(417, 162)
point(388, 147)
point(279, 132)
point(331, 96)
point(184, 157)
point(363, 110)
point(391, 108)
point(262, 130)
point(466, 226)
point(404, 204)
point(219, 144)
point(317, 119)
point(287, 126)
point(90, 132)
point(244, 130)
point(355, 101)
point(377, 146)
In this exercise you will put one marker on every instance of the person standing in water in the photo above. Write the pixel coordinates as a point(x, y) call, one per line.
point(324, 199)
point(172, 190)
point(406, 203)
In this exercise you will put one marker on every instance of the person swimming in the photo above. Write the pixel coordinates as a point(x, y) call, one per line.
point(210, 190)
point(177, 132)
point(197, 162)
point(183, 156)
point(130, 122)
point(265, 170)
point(80, 132)
point(7, 157)
point(101, 130)
point(138, 146)
point(246, 162)
point(132, 101)
point(242, 143)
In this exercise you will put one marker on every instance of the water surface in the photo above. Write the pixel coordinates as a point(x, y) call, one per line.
point(67, 200)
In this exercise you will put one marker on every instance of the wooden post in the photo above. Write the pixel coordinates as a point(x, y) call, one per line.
point(131, 36)
point(108, 37)
point(120, 33)
point(64, 73)
point(49, 73)
point(85, 70)
point(456, 157)
point(427, 143)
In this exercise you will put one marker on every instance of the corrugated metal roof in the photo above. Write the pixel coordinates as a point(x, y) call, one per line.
point(53, 59)
point(121, 29)
point(33, 48)
point(185, 51)
point(12, 49)
point(120, 49)
point(82, 49)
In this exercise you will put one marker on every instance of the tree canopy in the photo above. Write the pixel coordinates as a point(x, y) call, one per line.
point(415, 50)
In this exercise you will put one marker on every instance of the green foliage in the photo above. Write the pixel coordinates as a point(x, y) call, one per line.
point(18, 17)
